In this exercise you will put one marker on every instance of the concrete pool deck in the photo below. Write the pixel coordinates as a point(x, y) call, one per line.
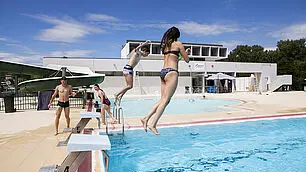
point(27, 141)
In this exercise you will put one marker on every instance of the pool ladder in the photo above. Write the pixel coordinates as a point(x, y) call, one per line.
point(118, 115)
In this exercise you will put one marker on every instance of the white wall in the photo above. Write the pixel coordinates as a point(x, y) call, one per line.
point(147, 85)
point(107, 64)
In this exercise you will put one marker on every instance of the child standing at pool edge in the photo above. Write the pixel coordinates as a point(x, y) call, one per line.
point(128, 69)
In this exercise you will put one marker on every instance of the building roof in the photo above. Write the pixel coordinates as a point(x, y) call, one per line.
point(188, 43)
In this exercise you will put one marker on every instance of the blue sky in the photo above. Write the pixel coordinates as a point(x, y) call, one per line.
point(32, 29)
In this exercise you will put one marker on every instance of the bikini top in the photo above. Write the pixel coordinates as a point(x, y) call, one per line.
point(172, 52)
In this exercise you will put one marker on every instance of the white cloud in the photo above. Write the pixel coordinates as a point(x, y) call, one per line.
point(64, 30)
point(230, 44)
point(101, 17)
point(196, 29)
point(22, 48)
point(193, 28)
point(71, 53)
point(3, 39)
point(11, 57)
point(297, 31)
point(269, 48)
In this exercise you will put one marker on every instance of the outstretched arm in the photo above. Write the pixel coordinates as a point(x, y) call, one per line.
point(141, 45)
point(53, 96)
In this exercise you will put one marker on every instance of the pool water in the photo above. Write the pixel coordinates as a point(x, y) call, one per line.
point(257, 146)
point(141, 106)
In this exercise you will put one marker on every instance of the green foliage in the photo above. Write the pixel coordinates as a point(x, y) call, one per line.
point(290, 57)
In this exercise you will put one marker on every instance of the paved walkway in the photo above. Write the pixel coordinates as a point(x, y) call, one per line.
point(27, 141)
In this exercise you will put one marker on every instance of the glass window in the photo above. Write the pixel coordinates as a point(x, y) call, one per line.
point(214, 51)
point(222, 52)
point(156, 49)
point(205, 51)
point(133, 46)
point(196, 51)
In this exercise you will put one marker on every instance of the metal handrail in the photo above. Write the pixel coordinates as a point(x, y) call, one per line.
point(121, 118)
point(118, 115)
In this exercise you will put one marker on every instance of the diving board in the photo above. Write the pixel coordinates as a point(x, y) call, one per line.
point(79, 146)
point(83, 142)
point(85, 118)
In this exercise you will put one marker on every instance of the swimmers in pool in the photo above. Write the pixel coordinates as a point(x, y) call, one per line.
point(171, 49)
point(142, 50)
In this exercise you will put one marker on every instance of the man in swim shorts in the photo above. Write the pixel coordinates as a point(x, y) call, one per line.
point(64, 91)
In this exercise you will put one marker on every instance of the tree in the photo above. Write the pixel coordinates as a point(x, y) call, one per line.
point(245, 53)
point(290, 57)
point(292, 60)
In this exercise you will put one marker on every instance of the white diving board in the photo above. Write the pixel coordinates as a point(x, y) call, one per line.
point(90, 115)
point(85, 118)
point(83, 142)
point(79, 147)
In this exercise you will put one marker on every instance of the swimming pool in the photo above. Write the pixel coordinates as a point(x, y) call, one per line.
point(266, 145)
point(141, 106)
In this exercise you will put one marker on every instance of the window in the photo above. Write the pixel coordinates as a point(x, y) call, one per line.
point(205, 51)
point(133, 46)
point(196, 51)
point(187, 47)
point(222, 52)
point(214, 51)
point(155, 49)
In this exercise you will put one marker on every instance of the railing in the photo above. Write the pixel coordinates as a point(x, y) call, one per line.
point(279, 81)
point(29, 100)
point(118, 115)
point(208, 89)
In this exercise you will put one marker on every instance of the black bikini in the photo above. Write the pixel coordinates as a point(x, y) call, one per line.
point(165, 71)
point(177, 53)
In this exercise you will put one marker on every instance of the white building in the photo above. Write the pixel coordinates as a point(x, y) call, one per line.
point(203, 63)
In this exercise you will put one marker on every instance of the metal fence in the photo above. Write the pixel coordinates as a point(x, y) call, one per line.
point(29, 100)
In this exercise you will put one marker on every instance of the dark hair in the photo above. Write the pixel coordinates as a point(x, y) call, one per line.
point(63, 78)
point(97, 85)
point(169, 37)
point(145, 48)
point(89, 96)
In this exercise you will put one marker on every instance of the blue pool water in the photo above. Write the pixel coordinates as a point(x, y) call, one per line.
point(141, 106)
point(258, 146)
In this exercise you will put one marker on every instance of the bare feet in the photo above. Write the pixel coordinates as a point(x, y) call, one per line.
point(55, 134)
point(144, 124)
point(154, 130)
